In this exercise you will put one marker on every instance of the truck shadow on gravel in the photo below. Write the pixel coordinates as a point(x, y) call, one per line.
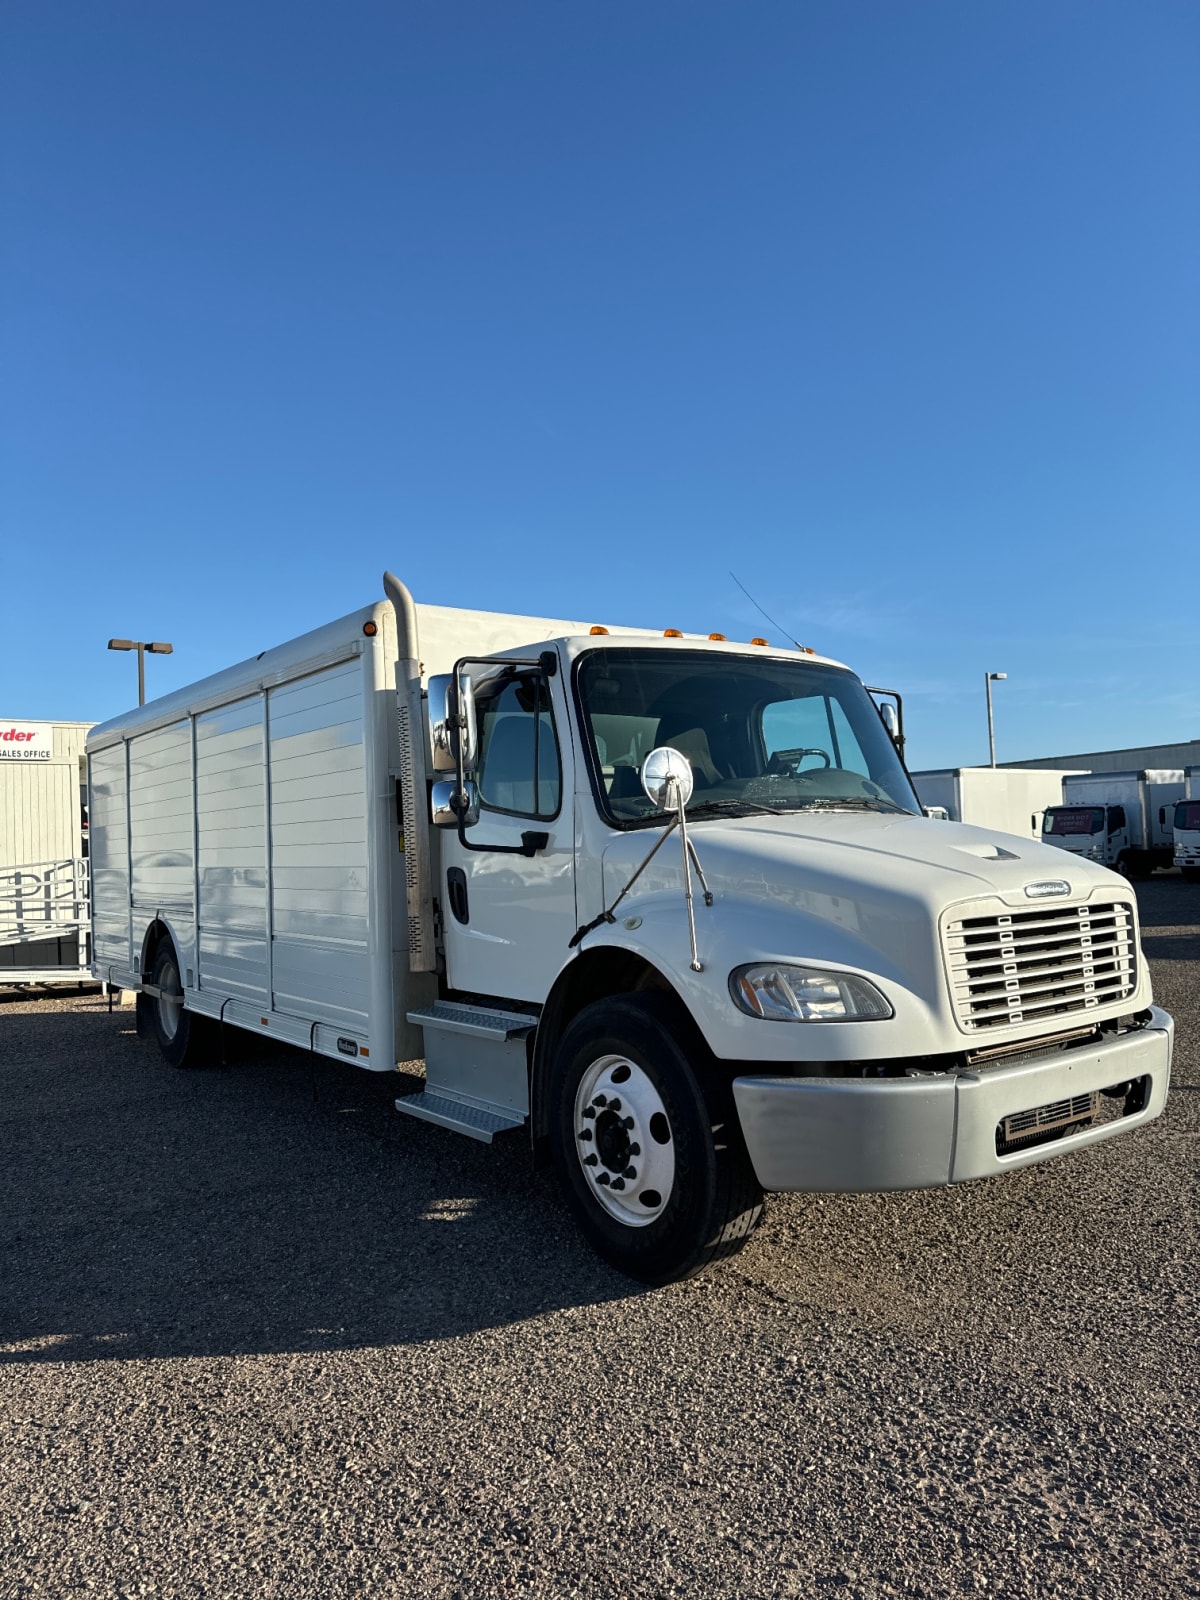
point(279, 1203)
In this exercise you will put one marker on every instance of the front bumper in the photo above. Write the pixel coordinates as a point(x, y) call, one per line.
point(862, 1135)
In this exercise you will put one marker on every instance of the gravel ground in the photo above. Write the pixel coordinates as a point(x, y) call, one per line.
point(260, 1336)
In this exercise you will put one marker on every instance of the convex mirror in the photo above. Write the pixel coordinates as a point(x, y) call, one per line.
point(667, 778)
point(447, 803)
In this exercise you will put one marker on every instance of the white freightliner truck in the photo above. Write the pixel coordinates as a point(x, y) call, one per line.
point(1186, 826)
point(667, 902)
point(1120, 819)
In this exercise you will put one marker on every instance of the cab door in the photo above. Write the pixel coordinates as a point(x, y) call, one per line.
point(508, 882)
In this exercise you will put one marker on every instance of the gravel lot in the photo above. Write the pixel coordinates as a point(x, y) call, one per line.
point(260, 1336)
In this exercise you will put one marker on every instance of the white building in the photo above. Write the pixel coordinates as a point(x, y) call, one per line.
point(1138, 758)
point(43, 852)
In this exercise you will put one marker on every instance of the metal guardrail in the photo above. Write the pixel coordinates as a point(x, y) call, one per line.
point(44, 900)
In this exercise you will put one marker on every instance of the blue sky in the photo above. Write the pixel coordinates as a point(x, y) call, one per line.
point(890, 309)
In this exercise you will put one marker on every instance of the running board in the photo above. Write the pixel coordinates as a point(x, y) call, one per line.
point(476, 1069)
point(467, 1116)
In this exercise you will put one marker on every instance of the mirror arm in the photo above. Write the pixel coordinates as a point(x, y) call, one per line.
point(688, 853)
point(608, 916)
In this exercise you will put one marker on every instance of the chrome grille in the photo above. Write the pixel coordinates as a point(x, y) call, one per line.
point(1030, 966)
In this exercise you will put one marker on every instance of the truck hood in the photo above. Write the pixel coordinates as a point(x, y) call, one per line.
point(862, 855)
point(864, 890)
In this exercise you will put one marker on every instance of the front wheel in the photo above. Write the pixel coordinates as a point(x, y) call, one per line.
point(646, 1141)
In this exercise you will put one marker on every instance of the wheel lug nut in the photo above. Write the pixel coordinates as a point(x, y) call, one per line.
point(590, 1161)
point(599, 1100)
point(604, 1178)
point(585, 1133)
point(635, 1149)
point(589, 1111)
point(618, 1183)
point(614, 1104)
point(627, 1123)
point(630, 1173)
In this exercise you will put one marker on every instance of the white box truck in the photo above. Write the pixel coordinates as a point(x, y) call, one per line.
point(666, 902)
point(1121, 819)
point(1186, 826)
point(1009, 799)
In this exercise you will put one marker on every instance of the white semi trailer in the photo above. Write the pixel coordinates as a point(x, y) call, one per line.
point(1120, 819)
point(666, 902)
point(1009, 799)
point(1186, 826)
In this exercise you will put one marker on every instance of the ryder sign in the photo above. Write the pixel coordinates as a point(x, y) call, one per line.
point(26, 741)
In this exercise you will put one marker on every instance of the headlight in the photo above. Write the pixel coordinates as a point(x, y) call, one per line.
point(805, 994)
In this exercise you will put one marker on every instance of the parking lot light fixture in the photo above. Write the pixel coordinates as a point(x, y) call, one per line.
point(157, 648)
point(988, 679)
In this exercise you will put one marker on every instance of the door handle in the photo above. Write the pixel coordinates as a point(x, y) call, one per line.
point(456, 890)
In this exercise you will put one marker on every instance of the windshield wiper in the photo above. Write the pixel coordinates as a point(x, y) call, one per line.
point(734, 808)
point(852, 803)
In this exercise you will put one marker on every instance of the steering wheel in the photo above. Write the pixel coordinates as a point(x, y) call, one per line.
point(787, 762)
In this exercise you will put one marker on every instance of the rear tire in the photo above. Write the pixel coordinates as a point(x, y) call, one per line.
point(182, 1036)
point(647, 1143)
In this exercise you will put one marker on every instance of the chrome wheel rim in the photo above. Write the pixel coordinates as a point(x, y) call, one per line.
point(624, 1141)
point(170, 999)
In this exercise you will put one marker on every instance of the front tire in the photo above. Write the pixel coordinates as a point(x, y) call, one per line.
point(646, 1141)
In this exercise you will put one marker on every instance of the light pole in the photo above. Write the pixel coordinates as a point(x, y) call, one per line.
point(988, 679)
point(156, 649)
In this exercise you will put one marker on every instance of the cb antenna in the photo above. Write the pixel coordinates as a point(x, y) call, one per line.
point(766, 614)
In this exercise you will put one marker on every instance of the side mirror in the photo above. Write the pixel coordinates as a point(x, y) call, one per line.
point(667, 778)
point(890, 720)
point(447, 803)
point(446, 724)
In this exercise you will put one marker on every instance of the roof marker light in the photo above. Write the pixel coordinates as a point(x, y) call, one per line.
point(672, 633)
point(758, 641)
point(718, 638)
point(596, 628)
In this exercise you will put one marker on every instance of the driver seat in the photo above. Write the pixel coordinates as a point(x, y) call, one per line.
point(693, 743)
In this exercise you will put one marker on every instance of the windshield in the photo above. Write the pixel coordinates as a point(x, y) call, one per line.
point(761, 735)
point(1187, 816)
point(1073, 819)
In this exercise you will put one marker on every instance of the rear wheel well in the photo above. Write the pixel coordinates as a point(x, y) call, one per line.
point(594, 975)
point(154, 936)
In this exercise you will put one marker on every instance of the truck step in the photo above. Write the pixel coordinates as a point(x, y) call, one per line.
point(450, 1016)
point(462, 1114)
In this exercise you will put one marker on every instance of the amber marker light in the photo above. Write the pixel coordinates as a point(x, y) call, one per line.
point(759, 641)
point(672, 633)
point(717, 638)
point(370, 629)
point(596, 628)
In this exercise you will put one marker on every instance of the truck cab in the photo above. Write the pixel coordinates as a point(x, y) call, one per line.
point(1098, 833)
point(1186, 830)
point(860, 998)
